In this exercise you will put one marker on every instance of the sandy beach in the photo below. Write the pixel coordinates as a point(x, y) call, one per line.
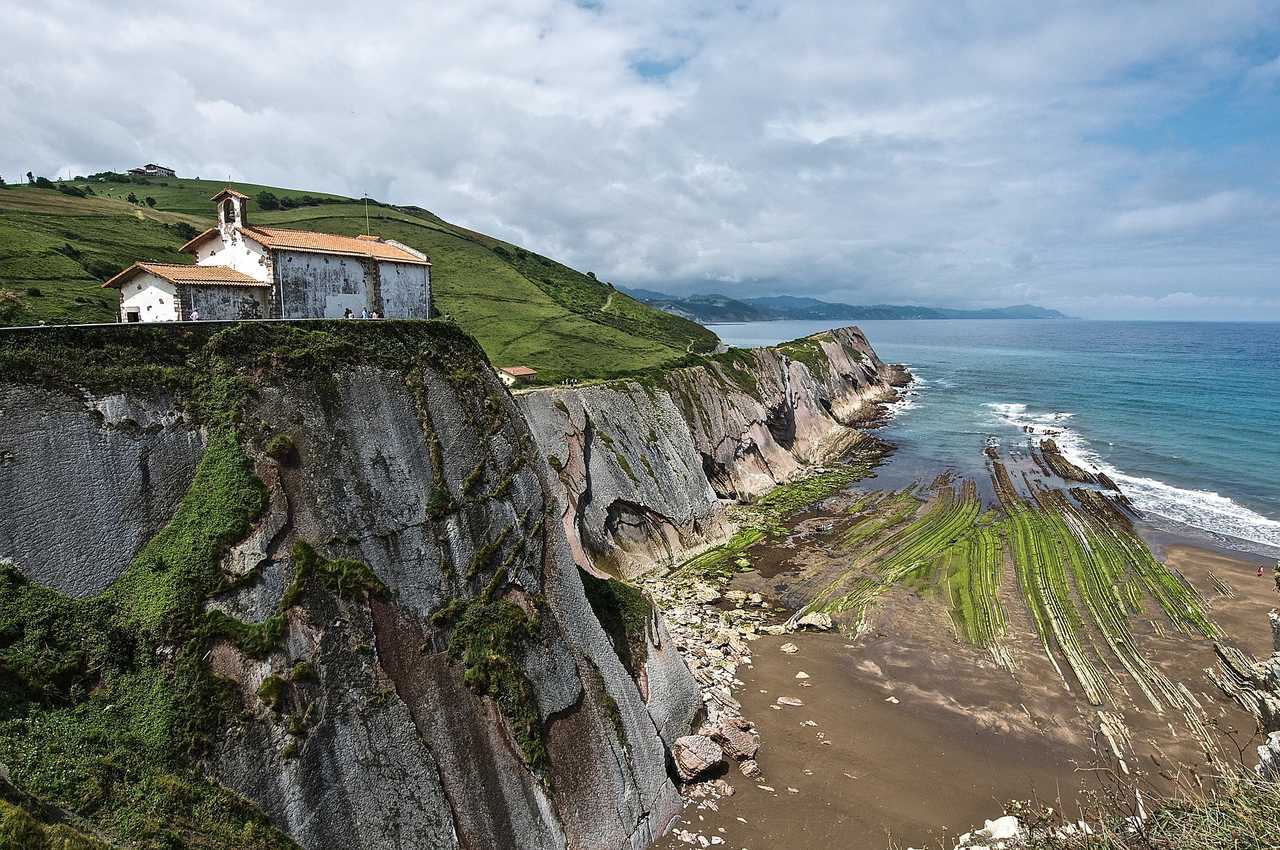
point(908, 736)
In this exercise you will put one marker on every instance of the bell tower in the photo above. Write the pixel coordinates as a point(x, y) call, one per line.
point(232, 208)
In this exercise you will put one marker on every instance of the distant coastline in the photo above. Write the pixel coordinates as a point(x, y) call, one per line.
point(721, 309)
point(893, 319)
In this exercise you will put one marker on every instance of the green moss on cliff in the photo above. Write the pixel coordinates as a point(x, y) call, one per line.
point(343, 577)
point(489, 638)
point(106, 703)
point(280, 448)
point(808, 351)
point(624, 612)
point(110, 728)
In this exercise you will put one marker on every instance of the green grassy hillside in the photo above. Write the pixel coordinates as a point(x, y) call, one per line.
point(525, 309)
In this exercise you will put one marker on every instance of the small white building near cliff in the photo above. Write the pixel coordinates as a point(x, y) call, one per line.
point(248, 272)
point(512, 375)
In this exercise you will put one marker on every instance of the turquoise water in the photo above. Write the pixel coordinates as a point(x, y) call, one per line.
point(1182, 415)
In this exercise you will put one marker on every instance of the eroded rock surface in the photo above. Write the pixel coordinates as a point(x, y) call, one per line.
point(643, 470)
point(86, 481)
point(381, 704)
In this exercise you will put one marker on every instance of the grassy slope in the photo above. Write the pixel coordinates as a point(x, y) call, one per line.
point(523, 308)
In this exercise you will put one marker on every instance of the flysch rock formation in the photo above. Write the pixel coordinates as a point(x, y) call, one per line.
point(370, 719)
point(1255, 685)
point(643, 468)
point(356, 728)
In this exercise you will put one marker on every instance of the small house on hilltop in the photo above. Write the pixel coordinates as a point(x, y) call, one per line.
point(152, 170)
point(512, 375)
point(248, 272)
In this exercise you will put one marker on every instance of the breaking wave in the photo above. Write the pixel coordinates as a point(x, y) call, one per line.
point(908, 397)
point(1202, 509)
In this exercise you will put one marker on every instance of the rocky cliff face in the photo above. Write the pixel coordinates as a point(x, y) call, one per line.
point(643, 468)
point(323, 567)
point(1255, 685)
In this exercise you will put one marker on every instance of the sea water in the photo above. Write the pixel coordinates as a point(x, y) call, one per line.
point(1182, 415)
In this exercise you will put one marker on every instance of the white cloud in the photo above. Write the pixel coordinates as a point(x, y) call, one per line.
point(1187, 215)
point(865, 151)
point(1266, 74)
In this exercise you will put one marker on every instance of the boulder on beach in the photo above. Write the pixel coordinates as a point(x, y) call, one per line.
point(738, 739)
point(694, 755)
point(789, 648)
point(815, 621)
point(994, 834)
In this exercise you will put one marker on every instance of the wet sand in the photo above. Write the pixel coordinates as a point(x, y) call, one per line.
point(965, 734)
point(1242, 616)
point(910, 771)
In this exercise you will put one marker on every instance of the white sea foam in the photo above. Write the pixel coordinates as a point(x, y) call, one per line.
point(1203, 509)
point(907, 397)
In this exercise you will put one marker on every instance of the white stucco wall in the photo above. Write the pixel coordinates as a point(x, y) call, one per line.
point(238, 252)
point(155, 299)
point(406, 290)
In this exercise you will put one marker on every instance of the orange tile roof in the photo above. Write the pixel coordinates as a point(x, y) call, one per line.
point(518, 371)
point(330, 243)
point(229, 191)
point(177, 273)
point(320, 243)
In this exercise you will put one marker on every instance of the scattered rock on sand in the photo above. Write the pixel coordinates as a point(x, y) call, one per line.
point(789, 648)
point(694, 755)
point(706, 594)
point(791, 701)
point(815, 621)
point(750, 768)
point(738, 739)
point(802, 675)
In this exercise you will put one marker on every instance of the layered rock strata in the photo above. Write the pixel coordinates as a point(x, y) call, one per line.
point(643, 468)
point(402, 638)
point(1255, 685)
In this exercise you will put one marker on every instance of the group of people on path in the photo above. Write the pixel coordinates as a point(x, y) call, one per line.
point(347, 314)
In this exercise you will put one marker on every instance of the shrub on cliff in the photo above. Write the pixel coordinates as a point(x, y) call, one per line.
point(280, 448)
point(624, 612)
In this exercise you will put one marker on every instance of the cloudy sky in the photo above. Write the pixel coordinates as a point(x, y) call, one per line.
point(1110, 159)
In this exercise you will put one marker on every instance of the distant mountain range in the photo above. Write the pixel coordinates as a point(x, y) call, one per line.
point(709, 309)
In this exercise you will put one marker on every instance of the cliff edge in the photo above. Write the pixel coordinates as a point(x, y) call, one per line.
point(643, 467)
point(270, 585)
